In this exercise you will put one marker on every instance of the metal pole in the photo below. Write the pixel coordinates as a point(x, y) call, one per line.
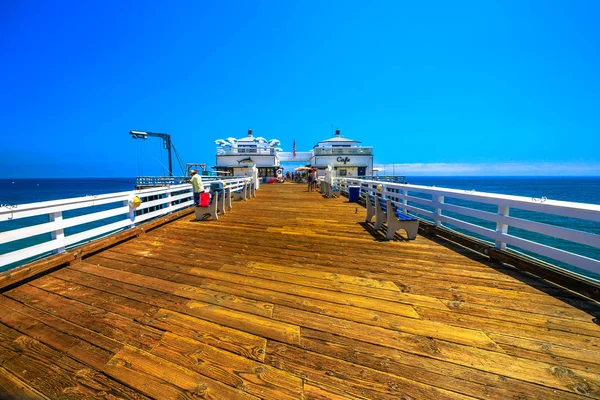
point(168, 140)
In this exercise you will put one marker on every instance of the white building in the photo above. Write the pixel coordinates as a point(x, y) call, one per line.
point(346, 156)
point(236, 155)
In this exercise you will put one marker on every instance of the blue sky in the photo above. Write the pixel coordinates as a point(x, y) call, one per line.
point(442, 87)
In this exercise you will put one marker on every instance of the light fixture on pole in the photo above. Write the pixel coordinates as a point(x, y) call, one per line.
point(166, 142)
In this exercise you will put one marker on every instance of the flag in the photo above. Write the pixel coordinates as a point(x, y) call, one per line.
point(294, 149)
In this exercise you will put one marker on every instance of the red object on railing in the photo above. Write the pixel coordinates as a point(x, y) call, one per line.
point(204, 199)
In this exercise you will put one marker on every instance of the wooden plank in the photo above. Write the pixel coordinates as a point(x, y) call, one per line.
point(167, 380)
point(560, 352)
point(587, 328)
point(75, 347)
point(349, 312)
point(250, 376)
point(116, 304)
point(376, 293)
point(186, 291)
point(264, 327)
point(13, 388)
point(335, 277)
point(502, 312)
point(250, 323)
point(60, 325)
point(317, 391)
point(98, 320)
point(237, 342)
point(485, 294)
point(450, 290)
point(512, 329)
point(59, 377)
point(446, 375)
point(485, 360)
point(394, 302)
point(408, 328)
point(319, 247)
point(202, 277)
point(355, 380)
point(160, 299)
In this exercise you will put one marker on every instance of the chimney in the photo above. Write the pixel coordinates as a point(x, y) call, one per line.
point(249, 132)
point(337, 132)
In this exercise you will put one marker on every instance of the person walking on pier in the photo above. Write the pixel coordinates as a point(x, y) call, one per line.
point(197, 185)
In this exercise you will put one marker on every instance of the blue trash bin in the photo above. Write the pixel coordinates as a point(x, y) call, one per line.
point(353, 193)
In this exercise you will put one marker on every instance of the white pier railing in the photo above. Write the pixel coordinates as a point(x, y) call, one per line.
point(28, 231)
point(488, 216)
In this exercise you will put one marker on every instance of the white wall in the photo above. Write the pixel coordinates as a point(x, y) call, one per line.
point(352, 162)
point(260, 161)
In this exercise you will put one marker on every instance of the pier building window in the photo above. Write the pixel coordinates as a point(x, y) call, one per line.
point(267, 171)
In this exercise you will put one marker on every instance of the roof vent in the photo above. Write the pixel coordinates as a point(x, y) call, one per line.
point(249, 132)
point(337, 132)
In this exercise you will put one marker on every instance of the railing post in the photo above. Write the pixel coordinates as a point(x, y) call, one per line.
point(438, 200)
point(58, 233)
point(131, 214)
point(169, 203)
point(501, 229)
point(405, 201)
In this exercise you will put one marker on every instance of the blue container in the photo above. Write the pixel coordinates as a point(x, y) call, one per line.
point(216, 186)
point(353, 193)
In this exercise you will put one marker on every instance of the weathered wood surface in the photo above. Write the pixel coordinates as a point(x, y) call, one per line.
point(291, 296)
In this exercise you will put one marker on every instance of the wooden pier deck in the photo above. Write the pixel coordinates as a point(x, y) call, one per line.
point(291, 296)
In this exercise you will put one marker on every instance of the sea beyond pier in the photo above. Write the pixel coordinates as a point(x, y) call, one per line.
point(293, 296)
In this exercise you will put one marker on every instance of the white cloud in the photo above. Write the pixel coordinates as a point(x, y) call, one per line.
point(491, 169)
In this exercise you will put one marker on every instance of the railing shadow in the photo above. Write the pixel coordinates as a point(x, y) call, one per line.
point(558, 292)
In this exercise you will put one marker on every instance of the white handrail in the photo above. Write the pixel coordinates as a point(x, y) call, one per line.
point(501, 220)
point(105, 214)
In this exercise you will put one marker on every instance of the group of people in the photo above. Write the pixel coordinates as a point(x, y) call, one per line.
point(309, 177)
point(312, 179)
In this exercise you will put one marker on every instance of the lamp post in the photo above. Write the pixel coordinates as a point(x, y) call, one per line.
point(166, 142)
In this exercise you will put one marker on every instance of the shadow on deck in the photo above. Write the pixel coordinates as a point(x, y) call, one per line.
point(292, 296)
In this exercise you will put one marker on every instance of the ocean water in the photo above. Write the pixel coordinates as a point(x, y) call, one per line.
point(24, 191)
point(576, 189)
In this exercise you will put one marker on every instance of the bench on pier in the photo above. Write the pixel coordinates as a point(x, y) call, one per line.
point(241, 193)
point(211, 209)
point(386, 211)
point(224, 201)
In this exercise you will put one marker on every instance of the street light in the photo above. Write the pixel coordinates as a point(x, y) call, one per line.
point(166, 142)
point(138, 134)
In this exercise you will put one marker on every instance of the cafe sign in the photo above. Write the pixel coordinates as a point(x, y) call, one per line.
point(343, 159)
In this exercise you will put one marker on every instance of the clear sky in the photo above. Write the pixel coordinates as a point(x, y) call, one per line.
point(508, 86)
